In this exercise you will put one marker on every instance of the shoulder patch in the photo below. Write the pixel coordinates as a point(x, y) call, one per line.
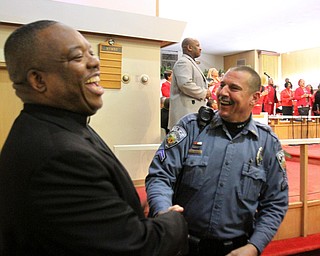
point(282, 162)
point(175, 136)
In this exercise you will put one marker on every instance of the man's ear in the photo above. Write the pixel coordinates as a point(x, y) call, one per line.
point(189, 47)
point(35, 79)
point(255, 98)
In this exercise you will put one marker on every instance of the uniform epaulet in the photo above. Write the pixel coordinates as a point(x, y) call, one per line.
point(266, 128)
point(190, 118)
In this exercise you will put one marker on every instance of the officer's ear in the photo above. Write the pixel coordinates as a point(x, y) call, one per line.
point(254, 99)
point(36, 80)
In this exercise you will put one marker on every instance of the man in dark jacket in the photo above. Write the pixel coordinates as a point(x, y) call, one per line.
point(62, 191)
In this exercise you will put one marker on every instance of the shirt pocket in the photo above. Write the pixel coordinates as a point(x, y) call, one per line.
point(191, 179)
point(252, 179)
point(194, 171)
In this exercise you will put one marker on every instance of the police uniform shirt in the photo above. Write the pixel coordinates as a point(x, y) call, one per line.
point(228, 187)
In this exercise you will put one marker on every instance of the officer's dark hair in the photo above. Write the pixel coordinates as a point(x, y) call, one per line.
point(21, 50)
point(254, 81)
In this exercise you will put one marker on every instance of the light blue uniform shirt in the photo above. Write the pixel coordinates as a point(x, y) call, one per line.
point(228, 186)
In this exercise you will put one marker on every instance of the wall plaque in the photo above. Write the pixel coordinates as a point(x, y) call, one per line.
point(110, 55)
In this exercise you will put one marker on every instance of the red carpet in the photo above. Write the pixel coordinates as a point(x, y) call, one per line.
point(313, 153)
point(293, 170)
point(292, 246)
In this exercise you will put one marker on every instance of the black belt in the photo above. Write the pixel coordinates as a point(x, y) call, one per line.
point(216, 247)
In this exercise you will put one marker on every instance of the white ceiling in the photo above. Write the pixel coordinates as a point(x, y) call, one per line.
point(232, 26)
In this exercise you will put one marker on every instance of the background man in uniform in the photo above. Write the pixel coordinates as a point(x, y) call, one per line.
point(225, 172)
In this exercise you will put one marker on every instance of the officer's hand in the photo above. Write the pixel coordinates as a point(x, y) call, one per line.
point(247, 250)
point(176, 208)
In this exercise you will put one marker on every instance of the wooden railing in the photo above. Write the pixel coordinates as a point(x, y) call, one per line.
point(303, 177)
point(295, 127)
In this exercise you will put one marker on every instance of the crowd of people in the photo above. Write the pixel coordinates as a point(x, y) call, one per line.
point(304, 100)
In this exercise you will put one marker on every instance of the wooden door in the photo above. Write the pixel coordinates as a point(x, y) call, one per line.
point(269, 63)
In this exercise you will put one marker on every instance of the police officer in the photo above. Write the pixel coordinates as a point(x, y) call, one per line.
point(224, 172)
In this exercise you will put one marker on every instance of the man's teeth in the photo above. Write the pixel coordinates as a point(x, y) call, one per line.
point(95, 79)
point(225, 101)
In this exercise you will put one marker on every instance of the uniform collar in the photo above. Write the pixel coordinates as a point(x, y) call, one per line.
point(251, 126)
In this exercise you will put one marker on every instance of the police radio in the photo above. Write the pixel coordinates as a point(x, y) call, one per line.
point(205, 115)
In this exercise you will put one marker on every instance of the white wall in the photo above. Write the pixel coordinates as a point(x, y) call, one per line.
point(131, 115)
point(210, 61)
point(145, 7)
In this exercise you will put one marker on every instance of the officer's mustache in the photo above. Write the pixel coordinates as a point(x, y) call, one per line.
point(223, 100)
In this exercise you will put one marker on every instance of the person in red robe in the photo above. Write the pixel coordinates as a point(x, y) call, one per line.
point(270, 97)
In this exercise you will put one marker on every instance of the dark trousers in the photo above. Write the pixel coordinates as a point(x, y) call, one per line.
point(214, 247)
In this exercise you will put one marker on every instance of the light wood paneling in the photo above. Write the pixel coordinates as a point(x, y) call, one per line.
point(291, 225)
point(231, 60)
point(296, 130)
point(10, 104)
point(313, 217)
point(303, 64)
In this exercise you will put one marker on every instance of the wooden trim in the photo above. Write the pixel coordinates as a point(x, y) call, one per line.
point(304, 187)
point(268, 53)
point(139, 183)
point(157, 8)
point(295, 205)
point(314, 203)
point(3, 65)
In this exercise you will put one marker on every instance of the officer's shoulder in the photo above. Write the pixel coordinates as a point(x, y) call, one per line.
point(189, 119)
point(266, 128)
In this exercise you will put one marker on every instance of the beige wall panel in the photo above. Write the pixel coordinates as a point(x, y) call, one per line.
point(302, 64)
point(10, 105)
point(291, 225)
point(231, 60)
point(313, 218)
point(269, 64)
